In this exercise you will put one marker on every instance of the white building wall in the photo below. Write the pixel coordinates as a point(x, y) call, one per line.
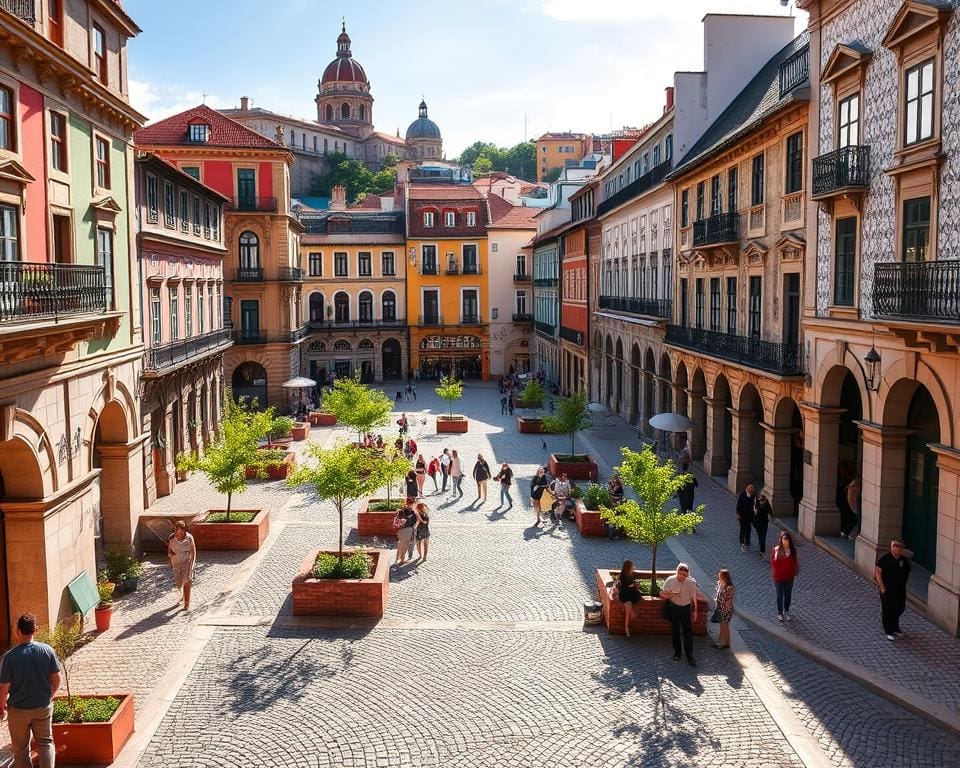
point(505, 337)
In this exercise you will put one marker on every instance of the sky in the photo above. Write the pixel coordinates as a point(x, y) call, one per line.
point(500, 70)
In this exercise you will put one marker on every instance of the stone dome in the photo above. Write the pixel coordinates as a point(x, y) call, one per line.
point(344, 68)
point(423, 127)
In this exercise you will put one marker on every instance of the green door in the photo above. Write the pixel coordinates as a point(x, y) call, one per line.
point(920, 502)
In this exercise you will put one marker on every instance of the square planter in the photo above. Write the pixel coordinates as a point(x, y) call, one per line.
point(529, 426)
point(588, 521)
point(451, 424)
point(646, 613)
point(244, 537)
point(376, 523)
point(275, 471)
point(342, 597)
point(95, 743)
point(321, 419)
point(518, 404)
point(575, 470)
point(301, 430)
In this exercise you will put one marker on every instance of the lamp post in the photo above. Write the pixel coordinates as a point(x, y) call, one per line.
point(872, 359)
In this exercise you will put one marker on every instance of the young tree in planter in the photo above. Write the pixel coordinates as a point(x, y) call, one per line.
point(225, 462)
point(451, 390)
point(532, 395)
point(347, 473)
point(357, 406)
point(646, 521)
point(572, 416)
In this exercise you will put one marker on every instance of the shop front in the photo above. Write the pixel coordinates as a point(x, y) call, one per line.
point(459, 355)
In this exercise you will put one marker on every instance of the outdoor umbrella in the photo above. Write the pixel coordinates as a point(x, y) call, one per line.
point(670, 422)
point(300, 382)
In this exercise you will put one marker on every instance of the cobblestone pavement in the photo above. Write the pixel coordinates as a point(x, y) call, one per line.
point(467, 692)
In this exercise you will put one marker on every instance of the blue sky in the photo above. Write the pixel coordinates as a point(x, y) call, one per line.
point(582, 65)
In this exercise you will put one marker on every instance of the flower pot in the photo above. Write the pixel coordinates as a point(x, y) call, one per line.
point(577, 467)
point(452, 424)
point(130, 583)
point(342, 597)
point(376, 523)
point(233, 536)
point(95, 743)
point(529, 426)
point(646, 614)
point(301, 430)
point(102, 615)
point(322, 419)
point(588, 521)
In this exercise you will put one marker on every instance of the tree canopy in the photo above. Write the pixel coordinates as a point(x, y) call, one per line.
point(356, 405)
point(355, 176)
point(572, 416)
point(451, 390)
point(519, 160)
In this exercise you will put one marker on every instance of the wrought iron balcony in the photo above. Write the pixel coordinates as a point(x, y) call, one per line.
point(249, 336)
point(249, 274)
point(429, 269)
point(472, 269)
point(719, 229)
point(50, 291)
point(323, 325)
point(523, 317)
point(430, 320)
point(648, 307)
point(24, 10)
point(298, 334)
point(571, 335)
point(453, 269)
point(470, 320)
point(547, 328)
point(926, 291)
point(545, 282)
point(164, 356)
point(636, 187)
point(795, 71)
point(261, 204)
point(780, 359)
point(841, 169)
point(518, 278)
point(291, 274)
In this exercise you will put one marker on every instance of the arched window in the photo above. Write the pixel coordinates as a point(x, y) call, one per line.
point(341, 307)
point(366, 307)
point(389, 306)
point(316, 307)
point(329, 112)
point(363, 112)
point(365, 344)
point(249, 250)
point(345, 112)
point(341, 345)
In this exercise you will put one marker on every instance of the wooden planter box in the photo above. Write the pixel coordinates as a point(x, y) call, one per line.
point(588, 521)
point(95, 743)
point(301, 430)
point(376, 523)
point(342, 597)
point(646, 613)
point(245, 537)
point(451, 424)
point(321, 419)
point(529, 426)
point(518, 404)
point(575, 470)
point(276, 471)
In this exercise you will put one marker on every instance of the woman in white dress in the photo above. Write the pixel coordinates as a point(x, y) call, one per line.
point(182, 551)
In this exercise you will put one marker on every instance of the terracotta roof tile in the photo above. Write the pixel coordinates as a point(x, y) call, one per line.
point(224, 132)
point(445, 192)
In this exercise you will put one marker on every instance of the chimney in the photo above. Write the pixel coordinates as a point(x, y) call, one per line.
point(669, 104)
point(244, 103)
point(338, 198)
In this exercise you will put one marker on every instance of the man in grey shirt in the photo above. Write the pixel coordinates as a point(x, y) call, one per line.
point(682, 591)
point(29, 676)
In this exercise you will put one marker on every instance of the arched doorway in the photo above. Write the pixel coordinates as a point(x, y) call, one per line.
point(635, 365)
point(392, 368)
point(316, 307)
point(666, 385)
point(110, 455)
point(722, 427)
point(750, 439)
point(649, 374)
point(619, 376)
point(608, 358)
point(698, 415)
point(921, 486)
point(788, 443)
point(682, 400)
point(250, 384)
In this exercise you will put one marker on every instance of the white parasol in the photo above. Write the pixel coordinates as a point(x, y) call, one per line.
point(670, 422)
point(300, 382)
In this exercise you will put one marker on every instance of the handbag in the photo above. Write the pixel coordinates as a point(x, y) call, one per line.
point(398, 522)
point(666, 610)
point(715, 618)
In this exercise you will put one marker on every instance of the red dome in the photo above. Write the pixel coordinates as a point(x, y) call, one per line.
point(344, 69)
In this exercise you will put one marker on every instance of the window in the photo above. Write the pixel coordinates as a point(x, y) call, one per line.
point(105, 260)
point(155, 327)
point(701, 191)
point(668, 147)
point(645, 166)
point(198, 133)
point(169, 205)
point(315, 144)
point(919, 105)
point(471, 307)
point(684, 298)
point(207, 219)
point(685, 208)
point(756, 292)
point(732, 190)
point(521, 264)
point(187, 312)
point(449, 219)
point(345, 111)
point(58, 142)
point(316, 307)
point(192, 170)
point(249, 251)
point(844, 261)
point(55, 21)
point(470, 266)
point(153, 202)
point(250, 318)
point(715, 304)
point(389, 307)
point(916, 228)
point(340, 264)
point(200, 314)
point(365, 303)
point(100, 53)
point(471, 218)
point(315, 264)
point(215, 216)
point(429, 264)
point(388, 263)
point(8, 120)
point(699, 303)
point(341, 308)
point(716, 199)
point(656, 156)
point(521, 302)
point(364, 267)
point(9, 233)
point(196, 215)
point(214, 305)
point(756, 181)
point(848, 130)
point(732, 306)
point(103, 163)
point(184, 211)
point(794, 163)
point(428, 218)
point(293, 138)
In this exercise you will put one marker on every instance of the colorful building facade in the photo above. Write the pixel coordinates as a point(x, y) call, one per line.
point(579, 244)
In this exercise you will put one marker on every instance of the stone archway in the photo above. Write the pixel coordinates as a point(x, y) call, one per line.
point(391, 359)
point(747, 456)
point(249, 382)
point(784, 458)
point(649, 389)
point(719, 429)
point(608, 366)
point(698, 415)
point(665, 385)
point(619, 376)
point(635, 366)
point(117, 461)
point(681, 400)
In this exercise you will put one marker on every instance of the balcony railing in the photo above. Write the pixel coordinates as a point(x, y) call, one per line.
point(429, 269)
point(518, 278)
point(545, 282)
point(842, 168)
point(794, 71)
point(636, 187)
point(430, 320)
point(261, 204)
point(298, 334)
point(291, 274)
point(249, 336)
point(470, 320)
point(649, 307)
point(547, 328)
point(453, 269)
point(523, 317)
point(927, 291)
point(249, 274)
point(781, 359)
point(719, 228)
point(472, 269)
point(323, 325)
point(168, 355)
point(23, 9)
point(569, 334)
point(50, 291)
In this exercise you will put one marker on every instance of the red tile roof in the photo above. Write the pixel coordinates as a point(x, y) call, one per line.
point(444, 192)
point(224, 132)
point(506, 216)
point(371, 202)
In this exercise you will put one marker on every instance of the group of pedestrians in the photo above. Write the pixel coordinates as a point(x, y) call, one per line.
point(753, 512)
point(412, 524)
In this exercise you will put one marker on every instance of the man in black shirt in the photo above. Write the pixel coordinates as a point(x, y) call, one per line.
point(745, 515)
point(891, 576)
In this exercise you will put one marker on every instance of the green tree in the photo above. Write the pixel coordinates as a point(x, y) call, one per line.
point(346, 473)
point(572, 416)
point(63, 637)
point(482, 166)
point(355, 176)
point(520, 160)
point(645, 520)
point(225, 462)
point(357, 406)
point(552, 175)
point(451, 390)
point(479, 148)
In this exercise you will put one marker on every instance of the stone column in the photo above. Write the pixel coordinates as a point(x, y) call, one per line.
point(697, 435)
point(740, 472)
point(776, 468)
point(943, 591)
point(821, 435)
point(714, 462)
point(121, 491)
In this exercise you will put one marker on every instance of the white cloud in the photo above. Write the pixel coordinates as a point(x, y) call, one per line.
point(159, 102)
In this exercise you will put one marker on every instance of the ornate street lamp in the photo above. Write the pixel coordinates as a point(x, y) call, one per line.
point(872, 359)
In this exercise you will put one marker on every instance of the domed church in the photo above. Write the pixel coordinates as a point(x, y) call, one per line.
point(423, 136)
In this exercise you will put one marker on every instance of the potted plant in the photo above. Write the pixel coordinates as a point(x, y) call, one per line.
point(281, 430)
point(87, 729)
point(531, 396)
point(451, 390)
point(647, 522)
point(104, 610)
point(225, 464)
point(572, 416)
point(182, 465)
point(357, 406)
point(330, 583)
point(123, 568)
point(587, 514)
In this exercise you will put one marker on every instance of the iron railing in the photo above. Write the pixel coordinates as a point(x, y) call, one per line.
point(172, 353)
point(844, 167)
point(323, 325)
point(472, 269)
point(547, 328)
point(719, 228)
point(298, 334)
point(261, 204)
point(649, 307)
point(430, 320)
point(249, 274)
point(571, 335)
point(24, 10)
point(545, 282)
point(636, 187)
point(918, 290)
point(249, 336)
point(453, 269)
point(781, 359)
point(518, 278)
point(429, 269)
point(50, 291)
point(794, 71)
point(291, 274)
point(523, 317)
point(470, 320)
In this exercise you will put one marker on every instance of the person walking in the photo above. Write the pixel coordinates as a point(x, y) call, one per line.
point(404, 523)
point(420, 467)
point(682, 590)
point(505, 476)
point(410, 484)
point(413, 391)
point(30, 674)
point(444, 468)
point(724, 613)
point(686, 493)
point(182, 551)
point(432, 469)
point(853, 501)
point(456, 474)
point(423, 531)
point(891, 575)
point(785, 568)
point(628, 594)
point(510, 405)
point(745, 515)
point(481, 473)
point(503, 405)
point(762, 512)
point(538, 484)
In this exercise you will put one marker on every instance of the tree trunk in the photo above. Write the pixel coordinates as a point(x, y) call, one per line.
point(340, 538)
point(653, 572)
point(229, 497)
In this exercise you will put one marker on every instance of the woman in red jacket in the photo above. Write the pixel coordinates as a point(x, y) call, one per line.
point(785, 568)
